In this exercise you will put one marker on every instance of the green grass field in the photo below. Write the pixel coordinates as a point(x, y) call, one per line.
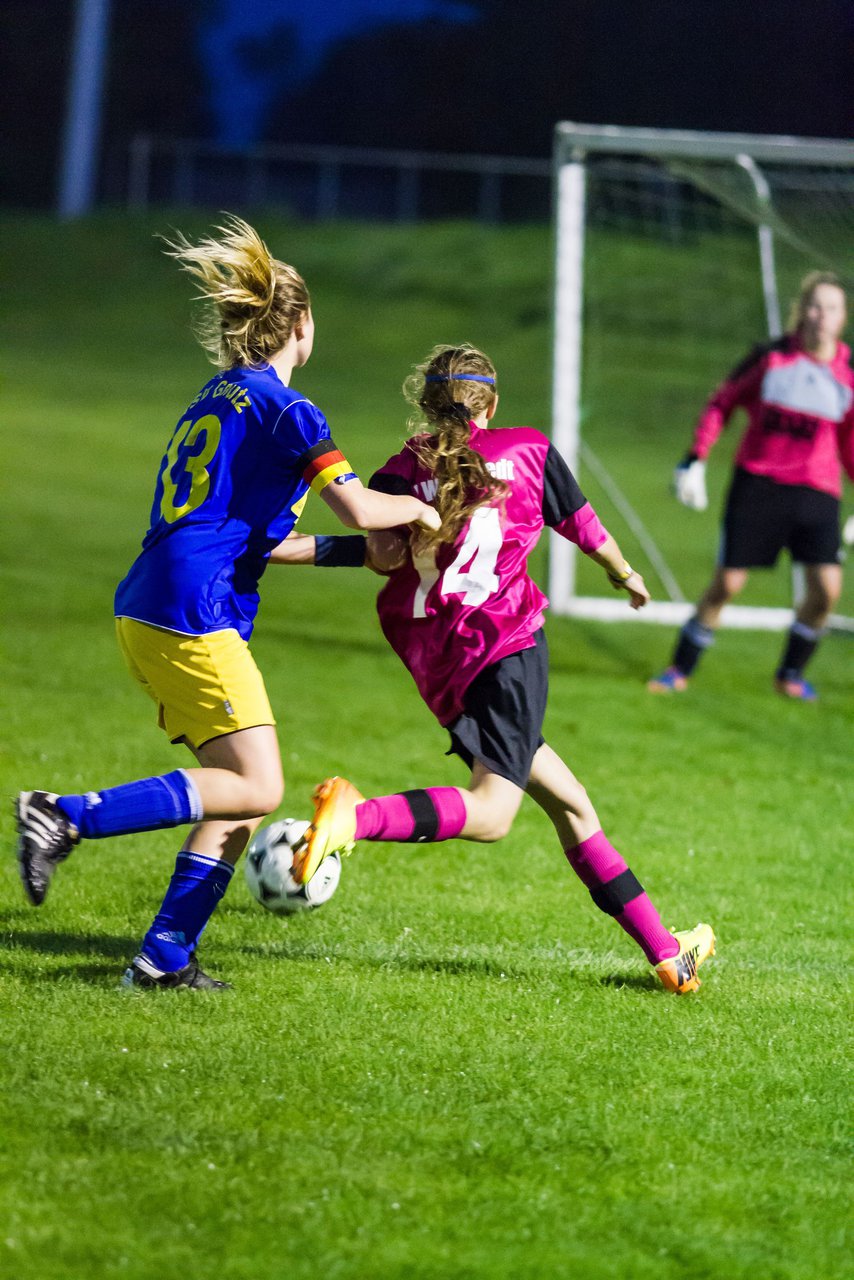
point(458, 1068)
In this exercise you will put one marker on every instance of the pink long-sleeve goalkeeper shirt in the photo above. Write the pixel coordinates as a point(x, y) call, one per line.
point(800, 415)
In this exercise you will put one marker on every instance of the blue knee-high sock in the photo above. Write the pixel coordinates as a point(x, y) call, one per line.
point(197, 885)
point(148, 805)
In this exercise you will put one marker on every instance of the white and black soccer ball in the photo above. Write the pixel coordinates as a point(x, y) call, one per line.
point(268, 866)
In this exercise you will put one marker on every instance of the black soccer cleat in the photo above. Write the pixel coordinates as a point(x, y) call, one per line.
point(45, 838)
point(140, 973)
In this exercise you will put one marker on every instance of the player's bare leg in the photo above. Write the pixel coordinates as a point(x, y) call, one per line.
point(240, 777)
point(724, 587)
point(557, 790)
point(491, 803)
point(218, 838)
point(243, 769)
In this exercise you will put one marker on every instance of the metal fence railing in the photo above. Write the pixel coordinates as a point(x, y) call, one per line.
point(334, 182)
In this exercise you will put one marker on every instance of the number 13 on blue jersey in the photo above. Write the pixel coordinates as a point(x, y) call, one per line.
point(182, 467)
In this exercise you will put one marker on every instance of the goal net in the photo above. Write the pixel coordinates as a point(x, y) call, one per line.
point(676, 252)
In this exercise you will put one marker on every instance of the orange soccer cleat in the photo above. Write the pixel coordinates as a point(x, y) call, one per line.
point(679, 972)
point(332, 830)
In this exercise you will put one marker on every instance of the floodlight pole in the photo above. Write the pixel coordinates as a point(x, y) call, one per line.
point(82, 131)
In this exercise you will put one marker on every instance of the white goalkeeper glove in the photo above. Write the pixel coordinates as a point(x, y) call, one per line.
point(848, 532)
point(689, 484)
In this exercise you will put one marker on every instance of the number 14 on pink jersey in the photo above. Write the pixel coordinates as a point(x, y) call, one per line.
point(472, 572)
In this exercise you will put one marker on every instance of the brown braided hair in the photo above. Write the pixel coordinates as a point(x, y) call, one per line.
point(447, 402)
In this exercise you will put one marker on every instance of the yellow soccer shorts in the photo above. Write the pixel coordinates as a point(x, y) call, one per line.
point(204, 686)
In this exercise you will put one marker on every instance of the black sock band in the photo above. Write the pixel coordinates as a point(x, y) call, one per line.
point(424, 815)
point(616, 894)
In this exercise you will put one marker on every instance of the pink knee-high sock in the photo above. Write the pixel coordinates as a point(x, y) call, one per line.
point(616, 891)
point(412, 817)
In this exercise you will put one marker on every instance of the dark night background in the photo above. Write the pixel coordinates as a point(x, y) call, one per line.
point(487, 76)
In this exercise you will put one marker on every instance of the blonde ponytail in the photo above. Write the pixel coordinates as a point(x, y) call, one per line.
point(452, 386)
point(256, 301)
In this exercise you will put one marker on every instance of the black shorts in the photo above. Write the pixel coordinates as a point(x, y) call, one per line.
point(502, 721)
point(762, 518)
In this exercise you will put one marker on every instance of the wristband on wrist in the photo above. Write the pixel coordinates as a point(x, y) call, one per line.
point(340, 551)
point(624, 574)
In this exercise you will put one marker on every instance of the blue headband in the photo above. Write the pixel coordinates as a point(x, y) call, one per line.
point(458, 377)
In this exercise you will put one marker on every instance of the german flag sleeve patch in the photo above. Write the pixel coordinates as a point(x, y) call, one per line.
point(323, 463)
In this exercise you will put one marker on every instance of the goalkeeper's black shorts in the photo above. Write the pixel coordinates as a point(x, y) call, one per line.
point(763, 518)
point(504, 707)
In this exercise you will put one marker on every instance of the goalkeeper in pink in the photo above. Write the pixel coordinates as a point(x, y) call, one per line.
point(466, 620)
point(786, 488)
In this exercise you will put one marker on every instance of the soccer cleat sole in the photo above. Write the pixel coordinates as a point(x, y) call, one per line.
point(190, 978)
point(36, 861)
point(335, 803)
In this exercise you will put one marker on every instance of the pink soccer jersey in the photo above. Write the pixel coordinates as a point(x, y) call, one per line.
point(800, 416)
point(453, 612)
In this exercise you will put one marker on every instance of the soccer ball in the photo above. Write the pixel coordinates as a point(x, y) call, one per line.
point(269, 860)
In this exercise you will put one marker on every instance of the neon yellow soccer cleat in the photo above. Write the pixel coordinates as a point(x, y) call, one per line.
point(332, 830)
point(679, 973)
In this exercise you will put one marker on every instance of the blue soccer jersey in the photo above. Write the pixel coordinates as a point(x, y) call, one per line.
point(230, 487)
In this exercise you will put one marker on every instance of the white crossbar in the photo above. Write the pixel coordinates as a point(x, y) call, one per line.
point(740, 617)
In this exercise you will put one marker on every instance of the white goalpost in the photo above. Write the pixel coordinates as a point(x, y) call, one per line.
point(654, 200)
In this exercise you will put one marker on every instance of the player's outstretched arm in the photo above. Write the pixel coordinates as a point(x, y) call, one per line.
point(383, 551)
point(361, 508)
point(297, 548)
point(620, 573)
